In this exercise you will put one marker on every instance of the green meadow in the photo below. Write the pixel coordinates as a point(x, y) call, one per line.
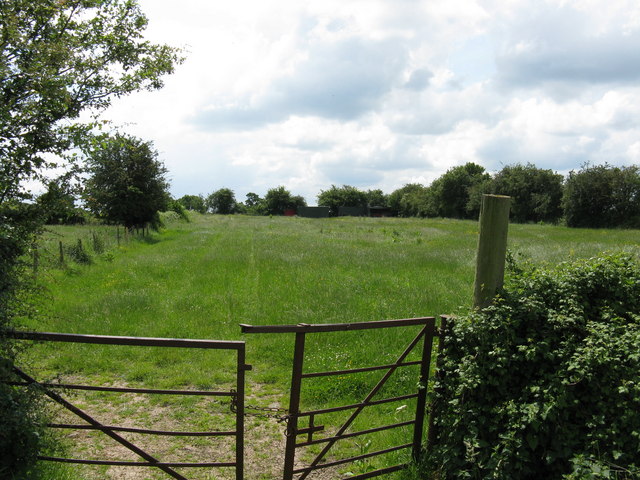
point(204, 278)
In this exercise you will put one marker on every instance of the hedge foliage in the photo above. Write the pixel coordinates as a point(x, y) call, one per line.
point(546, 382)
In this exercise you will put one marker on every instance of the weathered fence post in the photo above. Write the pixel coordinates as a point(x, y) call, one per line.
point(492, 248)
point(61, 249)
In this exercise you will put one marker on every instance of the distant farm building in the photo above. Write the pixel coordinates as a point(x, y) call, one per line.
point(313, 212)
point(353, 212)
point(324, 212)
point(380, 212)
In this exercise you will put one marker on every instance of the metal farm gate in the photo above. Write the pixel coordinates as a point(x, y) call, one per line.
point(421, 345)
point(423, 340)
point(236, 397)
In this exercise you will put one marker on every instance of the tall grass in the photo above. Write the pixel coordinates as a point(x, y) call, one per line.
point(202, 279)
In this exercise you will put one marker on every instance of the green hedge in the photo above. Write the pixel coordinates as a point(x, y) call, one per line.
point(545, 383)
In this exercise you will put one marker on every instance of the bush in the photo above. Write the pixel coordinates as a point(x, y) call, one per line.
point(603, 197)
point(544, 383)
point(344, 196)
point(536, 194)
point(405, 201)
point(21, 433)
point(449, 194)
point(178, 208)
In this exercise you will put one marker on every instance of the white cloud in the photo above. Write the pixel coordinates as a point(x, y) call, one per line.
point(377, 94)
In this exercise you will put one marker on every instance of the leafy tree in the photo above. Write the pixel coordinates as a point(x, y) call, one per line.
point(603, 196)
point(279, 199)
point(58, 203)
point(475, 196)
point(298, 201)
point(449, 194)
point(193, 202)
point(58, 59)
point(536, 194)
point(376, 198)
point(127, 184)
point(255, 205)
point(222, 202)
point(417, 203)
point(403, 201)
point(345, 196)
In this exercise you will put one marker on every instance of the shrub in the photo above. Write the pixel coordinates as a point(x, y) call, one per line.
point(449, 194)
point(544, 383)
point(603, 196)
point(78, 253)
point(536, 194)
point(177, 207)
point(21, 433)
point(222, 201)
point(344, 196)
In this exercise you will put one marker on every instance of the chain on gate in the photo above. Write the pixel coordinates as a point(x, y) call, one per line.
point(279, 414)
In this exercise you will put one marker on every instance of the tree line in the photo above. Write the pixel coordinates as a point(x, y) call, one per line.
point(601, 196)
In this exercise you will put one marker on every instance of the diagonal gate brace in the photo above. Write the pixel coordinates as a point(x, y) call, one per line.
point(426, 332)
point(86, 417)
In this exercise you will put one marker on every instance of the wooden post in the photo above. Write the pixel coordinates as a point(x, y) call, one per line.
point(492, 248)
point(61, 252)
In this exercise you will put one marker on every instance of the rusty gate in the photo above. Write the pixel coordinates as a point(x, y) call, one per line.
point(235, 395)
point(422, 343)
point(425, 336)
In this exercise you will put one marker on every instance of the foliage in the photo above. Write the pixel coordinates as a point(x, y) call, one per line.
point(603, 196)
point(78, 253)
point(254, 205)
point(222, 201)
point(127, 184)
point(21, 435)
point(178, 208)
point(58, 59)
point(58, 203)
point(475, 196)
point(279, 199)
point(404, 200)
point(345, 196)
point(536, 194)
point(193, 202)
point(449, 194)
point(20, 418)
point(546, 376)
point(377, 198)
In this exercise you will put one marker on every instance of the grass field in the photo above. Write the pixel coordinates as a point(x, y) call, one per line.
point(202, 279)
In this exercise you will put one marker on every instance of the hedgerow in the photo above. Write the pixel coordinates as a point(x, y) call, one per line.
point(546, 382)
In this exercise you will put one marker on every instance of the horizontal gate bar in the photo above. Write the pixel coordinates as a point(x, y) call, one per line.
point(359, 370)
point(137, 464)
point(89, 419)
point(358, 405)
point(333, 327)
point(131, 341)
point(92, 388)
point(143, 431)
point(352, 459)
point(356, 434)
point(377, 473)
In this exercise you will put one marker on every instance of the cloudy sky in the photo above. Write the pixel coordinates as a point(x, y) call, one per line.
point(379, 93)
